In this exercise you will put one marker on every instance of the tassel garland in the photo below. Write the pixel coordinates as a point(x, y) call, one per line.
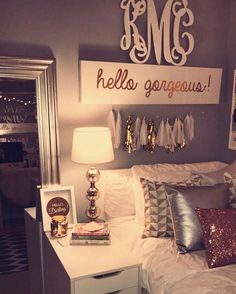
point(172, 135)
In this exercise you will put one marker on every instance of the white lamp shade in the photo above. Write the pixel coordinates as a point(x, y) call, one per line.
point(92, 145)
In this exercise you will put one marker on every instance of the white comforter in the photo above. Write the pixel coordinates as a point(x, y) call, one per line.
point(165, 271)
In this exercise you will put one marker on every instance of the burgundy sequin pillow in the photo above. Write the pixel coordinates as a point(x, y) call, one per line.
point(219, 231)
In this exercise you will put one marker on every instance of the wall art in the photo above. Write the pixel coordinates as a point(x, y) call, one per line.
point(167, 34)
point(129, 83)
point(57, 201)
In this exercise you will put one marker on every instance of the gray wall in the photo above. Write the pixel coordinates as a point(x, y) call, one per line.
point(227, 154)
point(91, 29)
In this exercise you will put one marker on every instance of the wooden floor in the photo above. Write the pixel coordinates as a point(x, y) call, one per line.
point(16, 283)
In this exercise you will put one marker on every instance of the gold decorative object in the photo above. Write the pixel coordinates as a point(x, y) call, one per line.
point(59, 225)
point(151, 144)
point(129, 135)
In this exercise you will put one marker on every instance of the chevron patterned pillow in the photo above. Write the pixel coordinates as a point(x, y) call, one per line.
point(158, 222)
point(231, 180)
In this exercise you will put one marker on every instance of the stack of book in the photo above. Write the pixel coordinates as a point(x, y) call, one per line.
point(91, 233)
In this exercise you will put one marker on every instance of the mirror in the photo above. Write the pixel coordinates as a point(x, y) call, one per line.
point(42, 71)
point(232, 131)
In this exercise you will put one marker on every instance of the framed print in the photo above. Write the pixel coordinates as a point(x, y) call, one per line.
point(57, 201)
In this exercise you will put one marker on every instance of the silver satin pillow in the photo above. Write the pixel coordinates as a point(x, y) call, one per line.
point(183, 201)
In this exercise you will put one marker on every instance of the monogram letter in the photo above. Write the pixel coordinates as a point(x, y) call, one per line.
point(166, 37)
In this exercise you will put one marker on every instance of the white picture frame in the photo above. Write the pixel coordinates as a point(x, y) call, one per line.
point(55, 201)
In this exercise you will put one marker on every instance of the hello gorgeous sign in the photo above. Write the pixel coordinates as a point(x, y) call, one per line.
point(124, 83)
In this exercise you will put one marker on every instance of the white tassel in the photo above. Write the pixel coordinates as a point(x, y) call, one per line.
point(180, 139)
point(191, 127)
point(175, 129)
point(111, 125)
point(160, 139)
point(118, 128)
point(143, 133)
point(187, 129)
point(170, 141)
point(166, 136)
point(182, 136)
point(137, 127)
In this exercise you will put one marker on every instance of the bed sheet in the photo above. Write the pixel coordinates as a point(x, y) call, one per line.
point(164, 271)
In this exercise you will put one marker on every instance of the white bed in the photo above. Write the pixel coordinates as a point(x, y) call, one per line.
point(164, 270)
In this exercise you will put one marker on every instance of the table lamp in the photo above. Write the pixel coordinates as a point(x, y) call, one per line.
point(92, 145)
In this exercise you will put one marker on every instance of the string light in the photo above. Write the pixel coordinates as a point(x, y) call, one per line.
point(24, 101)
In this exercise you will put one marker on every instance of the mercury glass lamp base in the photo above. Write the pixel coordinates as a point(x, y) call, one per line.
point(92, 211)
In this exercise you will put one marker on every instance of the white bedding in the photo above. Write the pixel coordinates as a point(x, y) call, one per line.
point(165, 271)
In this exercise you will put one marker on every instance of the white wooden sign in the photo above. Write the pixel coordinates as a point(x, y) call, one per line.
point(128, 83)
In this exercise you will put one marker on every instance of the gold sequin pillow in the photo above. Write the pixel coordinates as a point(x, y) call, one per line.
point(231, 180)
point(218, 227)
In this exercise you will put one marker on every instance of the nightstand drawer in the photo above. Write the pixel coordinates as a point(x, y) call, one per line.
point(109, 282)
point(133, 290)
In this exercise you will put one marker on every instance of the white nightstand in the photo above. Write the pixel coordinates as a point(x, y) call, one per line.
point(33, 230)
point(90, 269)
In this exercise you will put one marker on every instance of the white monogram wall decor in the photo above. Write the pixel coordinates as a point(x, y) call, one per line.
point(129, 83)
point(166, 33)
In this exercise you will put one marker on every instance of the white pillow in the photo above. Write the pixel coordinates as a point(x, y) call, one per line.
point(202, 166)
point(164, 172)
point(116, 193)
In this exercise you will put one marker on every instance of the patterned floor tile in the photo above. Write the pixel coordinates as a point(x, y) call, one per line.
point(13, 253)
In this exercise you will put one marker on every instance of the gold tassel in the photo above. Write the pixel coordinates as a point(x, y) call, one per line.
point(151, 136)
point(129, 135)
